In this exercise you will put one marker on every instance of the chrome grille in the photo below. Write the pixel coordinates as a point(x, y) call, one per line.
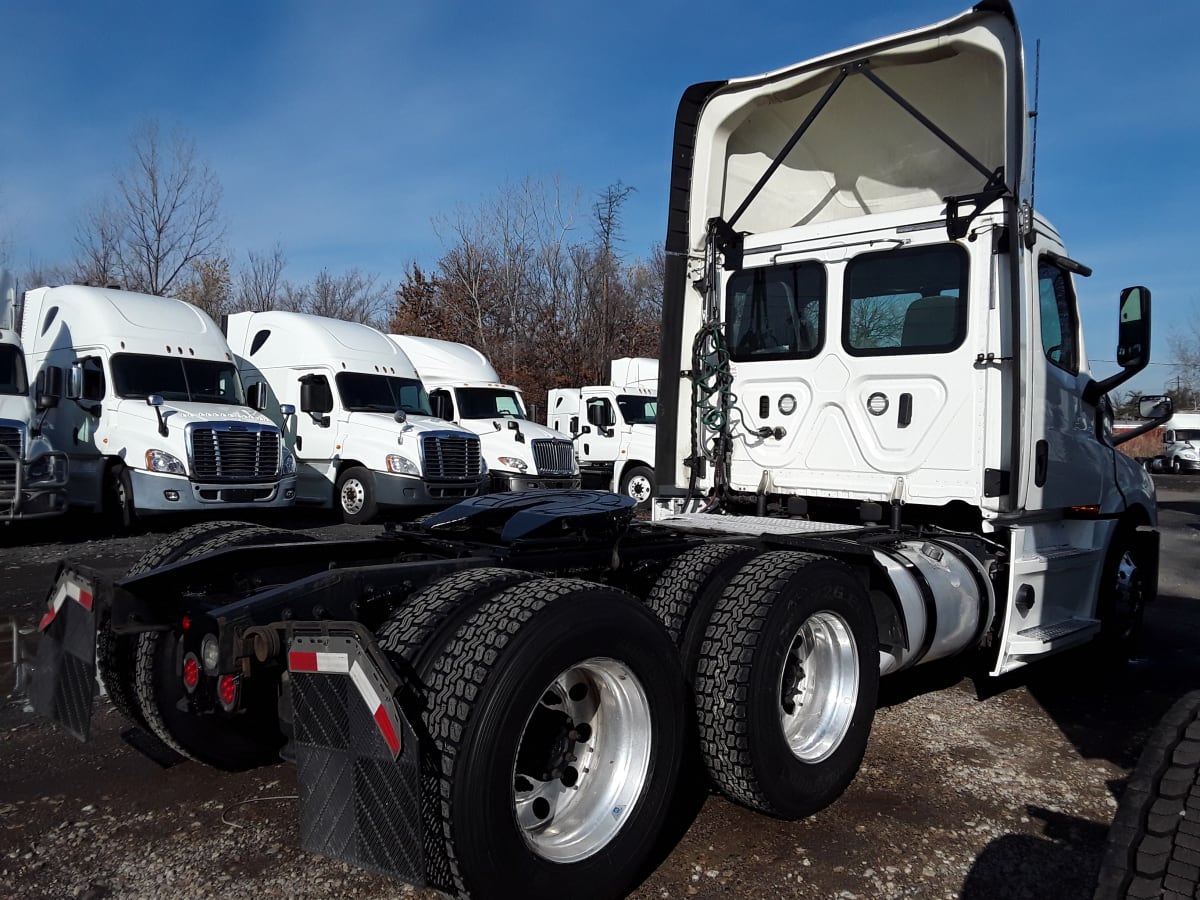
point(553, 456)
point(235, 452)
point(451, 456)
point(12, 450)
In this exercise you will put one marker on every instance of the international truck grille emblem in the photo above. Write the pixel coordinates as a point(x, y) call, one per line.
point(877, 404)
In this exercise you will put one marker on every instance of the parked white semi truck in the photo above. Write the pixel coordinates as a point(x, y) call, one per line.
point(33, 476)
point(356, 415)
point(155, 418)
point(465, 388)
point(1181, 443)
point(613, 427)
point(891, 404)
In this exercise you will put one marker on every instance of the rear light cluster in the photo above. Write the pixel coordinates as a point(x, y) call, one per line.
point(228, 686)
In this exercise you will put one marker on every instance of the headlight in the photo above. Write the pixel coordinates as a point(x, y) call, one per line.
point(46, 468)
point(398, 465)
point(289, 462)
point(161, 461)
point(513, 462)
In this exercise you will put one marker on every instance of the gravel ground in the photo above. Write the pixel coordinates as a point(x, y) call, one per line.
point(1008, 796)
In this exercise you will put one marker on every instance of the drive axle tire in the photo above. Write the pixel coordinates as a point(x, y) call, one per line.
point(116, 654)
point(234, 742)
point(684, 595)
point(1150, 851)
point(557, 711)
point(786, 683)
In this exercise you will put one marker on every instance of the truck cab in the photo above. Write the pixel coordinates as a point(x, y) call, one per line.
point(466, 389)
point(33, 475)
point(356, 415)
point(613, 426)
point(155, 417)
point(1181, 443)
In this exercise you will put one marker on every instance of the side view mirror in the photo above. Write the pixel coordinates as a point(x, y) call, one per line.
point(49, 387)
point(257, 395)
point(73, 389)
point(1133, 342)
point(156, 401)
point(316, 399)
point(400, 416)
point(286, 409)
point(1157, 409)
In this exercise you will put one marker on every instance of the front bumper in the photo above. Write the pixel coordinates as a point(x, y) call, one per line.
point(156, 492)
point(26, 499)
point(408, 490)
point(511, 481)
point(1188, 465)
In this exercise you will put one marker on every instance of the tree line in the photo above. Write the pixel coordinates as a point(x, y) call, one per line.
point(534, 276)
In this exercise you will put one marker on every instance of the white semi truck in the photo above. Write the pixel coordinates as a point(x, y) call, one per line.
point(364, 435)
point(33, 476)
point(465, 388)
point(613, 427)
point(155, 418)
point(890, 403)
point(1181, 443)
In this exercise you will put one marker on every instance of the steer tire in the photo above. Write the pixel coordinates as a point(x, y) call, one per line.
point(233, 742)
point(517, 680)
point(1121, 604)
point(685, 593)
point(638, 483)
point(1151, 849)
point(354, 496)
point(744, 661)
point(116, 654)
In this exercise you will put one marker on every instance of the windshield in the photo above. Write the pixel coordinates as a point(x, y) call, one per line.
point(382, 393)
point(1187, 434)
point(488, 403)
point(172, 378)
point(638, 410)
point(12, 371)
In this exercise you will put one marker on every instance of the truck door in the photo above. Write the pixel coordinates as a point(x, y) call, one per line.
point(317, 441)
point(1064, 463)
point(602, 442)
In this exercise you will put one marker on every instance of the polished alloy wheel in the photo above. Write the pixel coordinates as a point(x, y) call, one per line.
point(819, 687)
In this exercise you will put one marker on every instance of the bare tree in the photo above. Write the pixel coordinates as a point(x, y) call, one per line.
point(354, 296)
point(260, 281)
point(210, 286)
point(163, 216)
point(1185, 347)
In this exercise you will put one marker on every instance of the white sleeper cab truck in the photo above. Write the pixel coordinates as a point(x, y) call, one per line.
point(464, 388)
point(1181, 443)
point(155, 418)
point(613, 427)
point(356, 415)
point(33, 476)
point(888, 416)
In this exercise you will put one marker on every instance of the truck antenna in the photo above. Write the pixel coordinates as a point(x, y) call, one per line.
point(1033, 114)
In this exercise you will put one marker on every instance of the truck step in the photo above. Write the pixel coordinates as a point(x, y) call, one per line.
point(1055, 636)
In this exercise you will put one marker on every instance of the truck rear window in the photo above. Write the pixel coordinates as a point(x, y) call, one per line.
point(776, 312)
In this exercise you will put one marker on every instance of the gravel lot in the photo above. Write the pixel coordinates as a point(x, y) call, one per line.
point(1007, 796)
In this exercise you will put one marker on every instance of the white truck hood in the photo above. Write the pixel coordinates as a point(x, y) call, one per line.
point(178, 414)
point(864, 150)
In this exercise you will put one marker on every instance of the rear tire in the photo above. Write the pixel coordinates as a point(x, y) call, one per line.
point(1148, 852)
point(354, 496)
point(786, 683)
point(638, 483)
point(233, 742)
point(542, 679)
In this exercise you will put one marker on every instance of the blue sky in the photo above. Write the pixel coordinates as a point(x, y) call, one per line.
point(340, 129)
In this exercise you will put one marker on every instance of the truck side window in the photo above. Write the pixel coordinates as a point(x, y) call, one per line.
point(93, 379)
point(442, 407)
point(776, 312)
point(906, 301)
point(1060, 318)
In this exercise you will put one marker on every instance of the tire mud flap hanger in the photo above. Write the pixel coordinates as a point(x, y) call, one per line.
point(64, 678)
point(357, 759)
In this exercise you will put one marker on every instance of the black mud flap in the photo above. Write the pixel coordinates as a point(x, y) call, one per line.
point(357, 758)
point(64, 680)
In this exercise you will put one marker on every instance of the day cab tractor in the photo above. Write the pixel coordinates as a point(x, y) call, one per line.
point(879, 445)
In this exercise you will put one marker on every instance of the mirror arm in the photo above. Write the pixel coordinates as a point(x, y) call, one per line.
point(1138, 432)
point(1097, 389)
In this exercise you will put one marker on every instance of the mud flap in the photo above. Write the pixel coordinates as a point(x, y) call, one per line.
point(64, 680)
point(357, 758)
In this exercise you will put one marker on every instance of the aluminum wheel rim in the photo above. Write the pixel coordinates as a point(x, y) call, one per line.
point(353, 496)
point(638, 488)
point(818, 690)
point(1129, 594)
point(582, 760)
